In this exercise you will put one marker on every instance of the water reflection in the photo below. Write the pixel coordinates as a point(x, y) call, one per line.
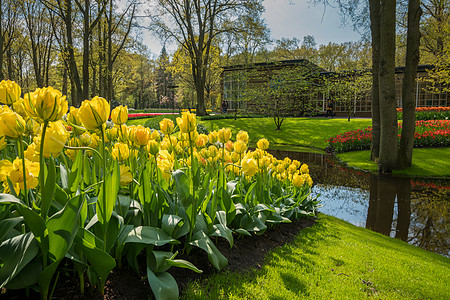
point(415, 211)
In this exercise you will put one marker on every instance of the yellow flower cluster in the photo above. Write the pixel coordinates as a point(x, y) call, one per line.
point(44, 108)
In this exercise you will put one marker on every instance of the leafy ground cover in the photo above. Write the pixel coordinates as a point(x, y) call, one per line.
point(426, 162)
point(299, 132)
point(335, 260)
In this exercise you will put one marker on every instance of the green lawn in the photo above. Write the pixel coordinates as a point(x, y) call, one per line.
point(299, 132)
point(335, 260)
point(426, 162)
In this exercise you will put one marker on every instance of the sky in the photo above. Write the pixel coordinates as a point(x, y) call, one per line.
point(291, 18)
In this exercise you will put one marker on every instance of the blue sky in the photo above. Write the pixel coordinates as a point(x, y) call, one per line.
point(292, 18)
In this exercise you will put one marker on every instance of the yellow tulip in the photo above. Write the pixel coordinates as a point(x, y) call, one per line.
point(187, 122)
point(120, 151)
point(125, 175)
point(212, 151)
point(12, 124)
point(249, 167)
point(265, 162)
point(298, 180)
point(224, 135)
point(119, 115)
point(9, 92)
point(166, 126)
point(242, 136)
point(55, 139)
point(155, 135)
point(213, 137)
point(32, 127)
point(263, 144)
point(19, 107)
point(235, 157)
point(112, 134)
point(201, 141)
point(94, 113)
point(2, 142)
point(74, 119)
point(16, 175)
point(141, 135)
point(304, 169)
point(292, 168)
point(46, 104)
point(32, 153)
point(153, 147)
point(258, 154)
point(240, 147)
point(94, 140)
point(5, 167)
point(165, 163)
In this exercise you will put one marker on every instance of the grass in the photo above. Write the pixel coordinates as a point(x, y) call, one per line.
point(298, 132)
point(335, 260)
point(426, 162)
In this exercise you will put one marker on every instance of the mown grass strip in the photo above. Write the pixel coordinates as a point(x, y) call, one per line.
point(335, 260)
point(433, 162)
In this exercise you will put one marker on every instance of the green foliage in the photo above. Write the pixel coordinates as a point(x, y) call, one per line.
point(428, 115)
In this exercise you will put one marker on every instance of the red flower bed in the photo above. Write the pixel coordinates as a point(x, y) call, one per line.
point(436, 108)
point(146, 115)
point(434, 133)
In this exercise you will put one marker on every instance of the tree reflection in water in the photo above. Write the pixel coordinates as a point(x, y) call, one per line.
point(400, 207)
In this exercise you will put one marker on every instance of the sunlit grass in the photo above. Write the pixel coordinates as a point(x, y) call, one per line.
point(299, 132)
point(426, 162)
point(335, 260)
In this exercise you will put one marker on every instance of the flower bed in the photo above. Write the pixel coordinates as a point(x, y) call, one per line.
point(147, 115)
point(433, 133)
point(103, 197)
point(428, 113)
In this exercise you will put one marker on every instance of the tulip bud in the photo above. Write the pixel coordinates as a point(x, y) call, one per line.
point(242, 136)
point(94, 113)
point(240, 147)
point(12, 124)
point(166, 126)
point(46, 104)
point(153, 147)
point(263, 144)
point(119, 115)
point(120, 151)
point(224, 135)
point(9, 92)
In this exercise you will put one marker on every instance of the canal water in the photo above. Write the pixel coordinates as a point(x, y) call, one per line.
point(411, 209)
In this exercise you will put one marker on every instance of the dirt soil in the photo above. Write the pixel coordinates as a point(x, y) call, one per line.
point(247, 253)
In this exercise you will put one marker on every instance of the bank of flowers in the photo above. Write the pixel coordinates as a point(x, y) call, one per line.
point(429, 113)
point(432, 133)
point(100, 197)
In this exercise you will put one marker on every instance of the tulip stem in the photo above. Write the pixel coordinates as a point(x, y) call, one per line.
point(105, 225)
point(42, 165)
point(22, 156)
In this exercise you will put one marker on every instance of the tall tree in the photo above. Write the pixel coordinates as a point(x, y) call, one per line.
point(409, 80)
point(388, 155)
point(195, 24)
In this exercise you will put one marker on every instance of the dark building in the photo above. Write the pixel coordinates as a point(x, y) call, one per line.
point(238, 80)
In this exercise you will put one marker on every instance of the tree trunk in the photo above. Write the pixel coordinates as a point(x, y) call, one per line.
point(77, 90)
point(1, 42)
point(64, 85)
point(409, 82)
point(86, 34)
point(404, 209)
point(388, 114)
point(9, 62)
point(374, 6)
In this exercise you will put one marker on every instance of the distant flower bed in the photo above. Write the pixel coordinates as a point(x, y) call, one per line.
point(429, 113)
point(433, 133)
point(147, 115)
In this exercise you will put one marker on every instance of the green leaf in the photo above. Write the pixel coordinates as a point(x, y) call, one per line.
point(15, 254)
point(105, 205)
point(181, 263)
point(62, 228)
point(163, 285)
point(157, 260)
point(102, 263)
point(224, 232)
point(27, 277)
point(216, 258)
point(64, 176)
point(170, 223)
point(49, 188)
point(183, 187)
point(150, 236)
point(7, 224)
